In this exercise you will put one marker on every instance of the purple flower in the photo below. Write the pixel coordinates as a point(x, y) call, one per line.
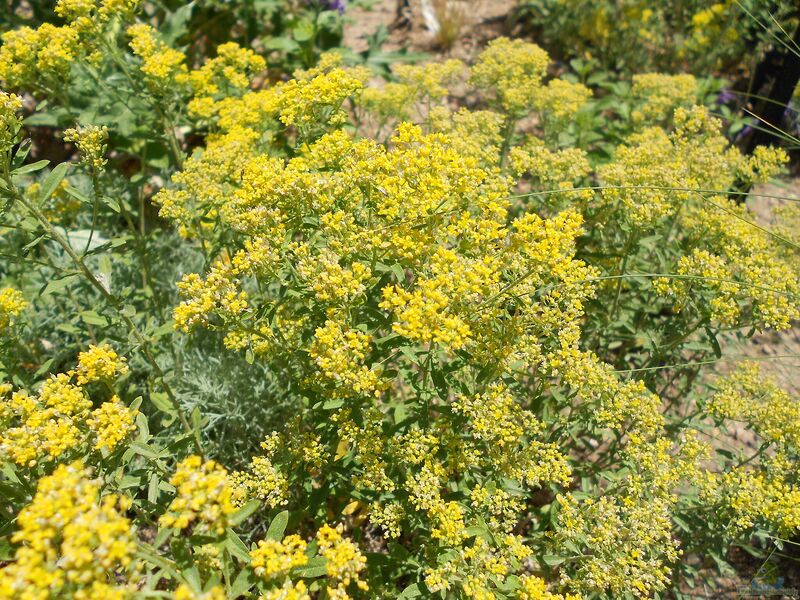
point(726, 96)
point(339, 5)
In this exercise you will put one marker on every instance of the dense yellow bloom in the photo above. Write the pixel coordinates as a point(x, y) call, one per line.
point(559, 100)
point(263, 481)
point(12, 303)
point(273, 559)
point(659, 95)
point(100, 363)
point(630, 539)
point(344, 561)
point(162, 66)
point(340, 354)
point(204, 497)
point(59, 421)
point(748, 396)
point(38, 57)
point(315, 97)
point(534, 588)
point(10, 123)
point(289, 591)
point(514, 69)
point(184, 592)
point(231, 68)
point(112, 422)
point(91, 141)
point(388, 517)
point(69, 535)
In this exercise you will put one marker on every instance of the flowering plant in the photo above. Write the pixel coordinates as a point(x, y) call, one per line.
point(377, 345)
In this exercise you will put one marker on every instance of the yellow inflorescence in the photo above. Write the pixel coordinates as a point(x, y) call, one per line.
point(272, 559)
point(162, 66)
point(91, 141)
point(60, 421)
point(12, 303)
point(10, 122)
point(100, 363)
point(111, 423)
point(204, 497)
point(70, 537)
point(344, 562)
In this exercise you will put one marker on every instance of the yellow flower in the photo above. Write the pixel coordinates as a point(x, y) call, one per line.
point(273, 559)
point(69, 534)
point(204, 497)
point(100, 363)
point(344, 562)
point(12, 303)
point(91, 141)
point(112, 422)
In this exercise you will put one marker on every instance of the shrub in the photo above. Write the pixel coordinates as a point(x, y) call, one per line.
point(461, 358)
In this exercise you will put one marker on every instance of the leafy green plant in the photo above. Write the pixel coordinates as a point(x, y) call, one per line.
point(336, 338)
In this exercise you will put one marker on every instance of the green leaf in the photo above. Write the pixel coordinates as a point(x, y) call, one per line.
point(162, 536)
point(315, 567)
point(152, 488)
point(37, 166)
point(52, 180)
point(278, 526)
point(243, 513)
point(144, 450)
point(90, 317)
point(162, 402)
point(304, 31)
point(712, 337)
point(551, 560)
point(412, 591)
point(236, 546)
point(242, 584)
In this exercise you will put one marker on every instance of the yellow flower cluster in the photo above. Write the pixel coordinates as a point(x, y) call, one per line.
point(100, 363)
point(91, 141)
point(272, 559)
point(111, 423)
point(162, 66)
point(747, 396)
point(204, 497)
point(185, 592)
point(657, 172)
point(230, 72)
point(388, 517)
point(60, 421)
point(34, 58)
point(514, 69)
point(340, 356)
point(714, 23)
point(85, 14)
point(630, 539)
point(415, 83)
point(70, 537)
point(478, 570)
point(344, 562)
point(12, 303)
point(367, 443)
point(10, 123)
point(289, 591)
point(315, 96)
point(534, 588)
point(261, 480)
point(40, 59)
point(658, 95)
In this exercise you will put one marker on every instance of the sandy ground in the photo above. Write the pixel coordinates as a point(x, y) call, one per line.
point(405, 21)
